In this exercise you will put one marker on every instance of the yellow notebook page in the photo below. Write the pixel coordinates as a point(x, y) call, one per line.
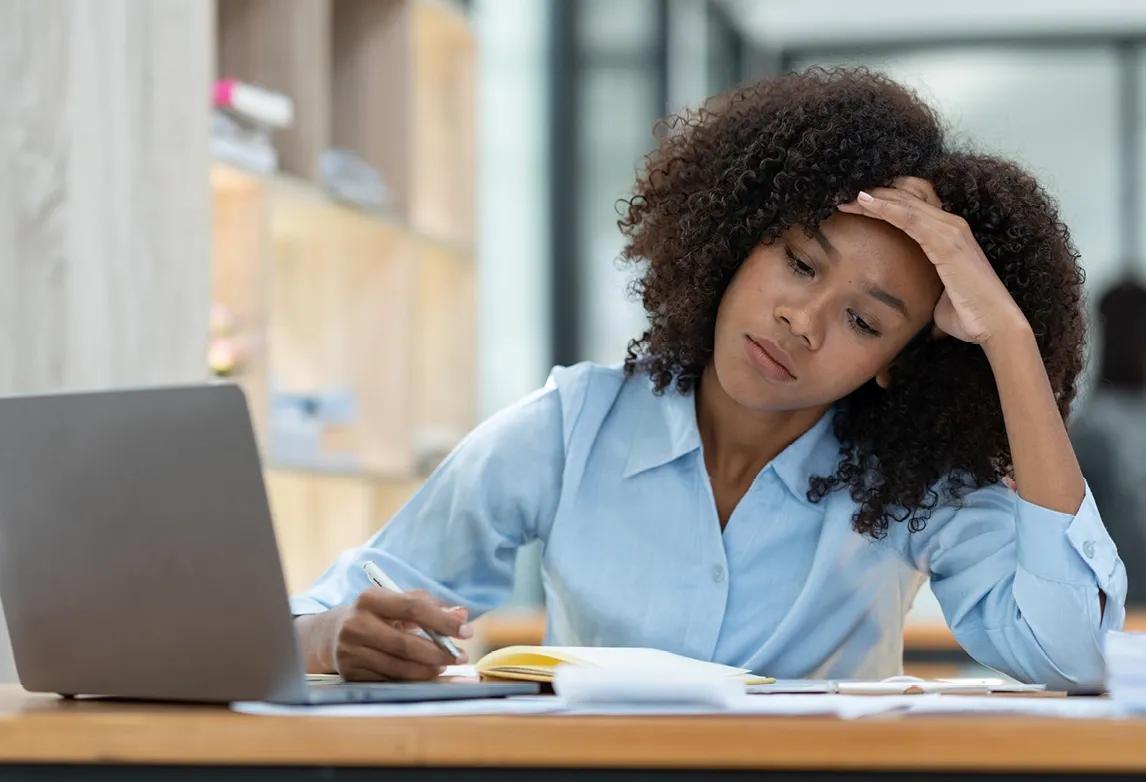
point(537, 663)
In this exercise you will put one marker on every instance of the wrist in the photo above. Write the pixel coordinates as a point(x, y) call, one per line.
point(1013, 333)
point(315, 633)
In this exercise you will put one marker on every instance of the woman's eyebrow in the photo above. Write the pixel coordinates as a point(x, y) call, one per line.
point(874, 291)
point(894, 302)
point(830, 249)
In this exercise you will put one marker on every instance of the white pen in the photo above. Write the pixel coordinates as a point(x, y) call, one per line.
point(379, 577)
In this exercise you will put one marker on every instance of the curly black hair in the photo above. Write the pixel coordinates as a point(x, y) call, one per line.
point(784, 152)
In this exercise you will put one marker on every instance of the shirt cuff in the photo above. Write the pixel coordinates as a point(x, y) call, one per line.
point(300, 606)
point(1069, 549)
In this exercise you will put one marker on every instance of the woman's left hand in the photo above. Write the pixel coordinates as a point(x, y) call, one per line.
point(975, 305)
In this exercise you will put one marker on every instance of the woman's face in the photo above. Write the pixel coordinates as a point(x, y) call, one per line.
point(834, 310)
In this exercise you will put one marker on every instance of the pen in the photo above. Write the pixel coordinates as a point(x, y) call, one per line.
point(379, 577)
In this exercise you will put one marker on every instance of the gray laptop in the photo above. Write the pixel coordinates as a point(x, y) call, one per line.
point(138, 558)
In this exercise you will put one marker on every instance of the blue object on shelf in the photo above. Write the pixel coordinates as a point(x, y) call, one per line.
point(297, 421)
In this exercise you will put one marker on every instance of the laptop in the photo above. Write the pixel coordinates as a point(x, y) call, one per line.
point(138, 558)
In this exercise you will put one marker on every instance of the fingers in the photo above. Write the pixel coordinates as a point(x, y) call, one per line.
point(387, 637)
point(910, 198)
point(363, 663)
point(918, 187)
point(368, 647)
point(381, 637)
point(907, 190)
point(930, 226)
point(415, 607)
point(900, 214)
point(904, 200)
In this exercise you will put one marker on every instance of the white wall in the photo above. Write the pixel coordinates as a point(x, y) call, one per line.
point(514, 312)
point(512, 193)
point(784, 23)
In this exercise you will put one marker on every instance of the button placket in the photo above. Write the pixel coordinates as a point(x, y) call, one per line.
point(706, 633)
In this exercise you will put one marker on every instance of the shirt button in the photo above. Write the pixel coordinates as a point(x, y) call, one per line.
point(1088, 549)
point(717, 573)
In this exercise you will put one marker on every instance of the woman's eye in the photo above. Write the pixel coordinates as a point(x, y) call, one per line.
point(798, 266)
point(861, 325)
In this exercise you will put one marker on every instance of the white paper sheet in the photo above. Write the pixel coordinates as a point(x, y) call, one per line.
point(842, 706)
point(1075, 708)
point(456, 708)
point(451, 671)
point(655, 686)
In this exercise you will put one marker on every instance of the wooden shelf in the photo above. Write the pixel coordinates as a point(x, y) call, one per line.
point(328, 297)
point(509, 627)
point(318, 516)
point(296, 187)
point(321, 470)
point(336, 302)
point(441, 194)
point(445, 365)
point(390, 80)
point(239, 268)
point(342, 314)
point(415, 60)
point(283, 45)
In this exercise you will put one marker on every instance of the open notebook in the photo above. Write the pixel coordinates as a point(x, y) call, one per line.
point(537, 663)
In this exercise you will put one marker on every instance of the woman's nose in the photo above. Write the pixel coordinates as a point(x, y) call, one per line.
point(801, 323)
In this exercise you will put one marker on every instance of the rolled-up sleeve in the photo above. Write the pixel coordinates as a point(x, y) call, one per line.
point(1019, 584)
point(458, 536)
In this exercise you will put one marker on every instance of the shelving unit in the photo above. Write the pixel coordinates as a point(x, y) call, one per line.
point(391, 80)
point(331, 301)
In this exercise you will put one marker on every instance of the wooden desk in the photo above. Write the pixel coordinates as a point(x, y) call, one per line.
point(143, 741)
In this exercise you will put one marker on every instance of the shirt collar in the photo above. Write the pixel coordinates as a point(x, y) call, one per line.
point(667, 430)
point(815, 452)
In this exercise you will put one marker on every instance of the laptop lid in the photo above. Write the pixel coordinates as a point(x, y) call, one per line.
point(137, 554)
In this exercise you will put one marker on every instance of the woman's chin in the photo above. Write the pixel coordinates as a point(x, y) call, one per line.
point(747, 389)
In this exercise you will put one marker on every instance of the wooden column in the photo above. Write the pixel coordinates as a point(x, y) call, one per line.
point(104, 196)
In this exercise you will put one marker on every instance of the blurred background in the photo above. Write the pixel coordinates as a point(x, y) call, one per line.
point(387, 219)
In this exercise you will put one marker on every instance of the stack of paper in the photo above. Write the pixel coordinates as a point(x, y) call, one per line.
point(647, 686)
point(1126, 669)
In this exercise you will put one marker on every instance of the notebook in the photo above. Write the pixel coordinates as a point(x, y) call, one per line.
point(537, 663)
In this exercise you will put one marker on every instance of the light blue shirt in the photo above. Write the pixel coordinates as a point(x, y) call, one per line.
point(611, 479)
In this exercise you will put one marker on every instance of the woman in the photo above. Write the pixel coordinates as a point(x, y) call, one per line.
point(855, 334)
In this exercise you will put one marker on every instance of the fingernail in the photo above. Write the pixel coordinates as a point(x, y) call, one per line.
point(864, 198)
point(466, 631)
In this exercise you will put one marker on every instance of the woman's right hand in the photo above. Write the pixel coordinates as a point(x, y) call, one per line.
point(373, 639)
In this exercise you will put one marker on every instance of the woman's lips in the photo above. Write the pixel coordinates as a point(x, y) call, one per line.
point(768, 359)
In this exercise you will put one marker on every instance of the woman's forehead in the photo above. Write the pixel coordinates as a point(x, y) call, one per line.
point(875, 250)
